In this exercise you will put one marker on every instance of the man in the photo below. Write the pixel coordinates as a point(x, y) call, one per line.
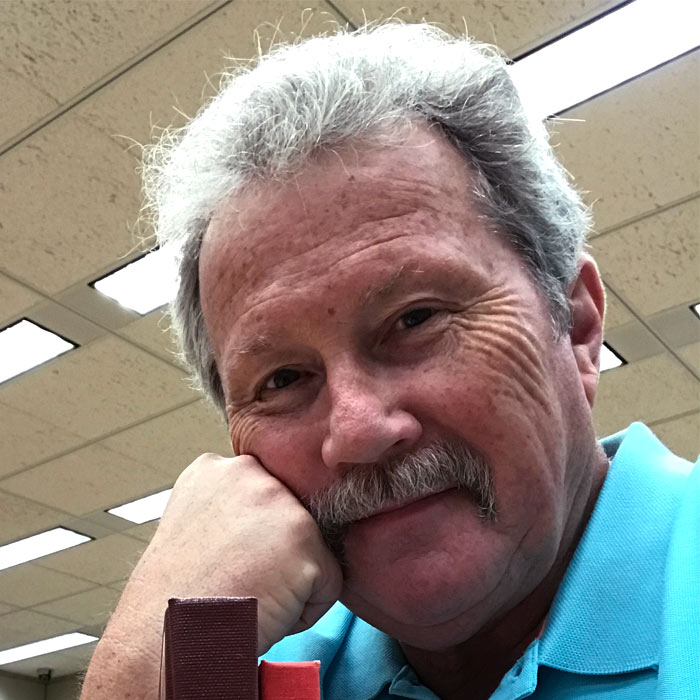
point(384, 288)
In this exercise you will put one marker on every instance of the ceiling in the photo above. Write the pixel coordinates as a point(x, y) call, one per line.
point(82, 84)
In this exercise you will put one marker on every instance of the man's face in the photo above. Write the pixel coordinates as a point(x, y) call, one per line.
point(364, 312)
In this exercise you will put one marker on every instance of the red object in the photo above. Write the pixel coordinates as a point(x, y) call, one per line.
point(289, 681)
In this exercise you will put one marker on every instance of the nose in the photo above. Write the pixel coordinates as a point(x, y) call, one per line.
point(366, 421)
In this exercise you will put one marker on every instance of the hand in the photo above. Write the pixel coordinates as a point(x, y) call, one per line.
point(230, 529)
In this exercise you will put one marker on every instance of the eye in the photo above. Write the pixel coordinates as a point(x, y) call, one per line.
point(416, 317)
point(282, 378)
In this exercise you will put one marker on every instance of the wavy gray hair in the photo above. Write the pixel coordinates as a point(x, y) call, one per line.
point(270, 119)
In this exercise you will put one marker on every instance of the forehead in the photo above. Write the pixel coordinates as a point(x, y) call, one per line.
point(364, 210)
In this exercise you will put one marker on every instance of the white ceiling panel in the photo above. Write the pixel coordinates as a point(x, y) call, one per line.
point(91, 607)
point(78, 224)
point(26, 439)
point(153, 333)
point(51, 50)
point(616, 313)
point(91, 478)
point(170, 442)
point(99, 388)
point(25, 626)
point(655, 261)
point(143, 532)
point(514, 25)
point(681, 435)
point(635, 148)
point(691, 354)
point(102, 561)
point(648, 390)
point(14, 298)
point(27, 585)
point(5, 608)
point(20, 517)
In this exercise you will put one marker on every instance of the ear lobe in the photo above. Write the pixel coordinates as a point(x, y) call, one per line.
point(587, 303)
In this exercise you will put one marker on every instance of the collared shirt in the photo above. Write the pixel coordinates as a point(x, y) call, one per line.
point(624, 625)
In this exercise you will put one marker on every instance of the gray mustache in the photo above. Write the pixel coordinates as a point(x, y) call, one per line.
point(365, 489)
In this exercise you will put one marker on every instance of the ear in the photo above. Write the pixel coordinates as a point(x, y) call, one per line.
point(587, 303)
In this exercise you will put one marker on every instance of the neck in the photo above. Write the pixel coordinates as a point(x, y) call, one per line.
point(480, 662)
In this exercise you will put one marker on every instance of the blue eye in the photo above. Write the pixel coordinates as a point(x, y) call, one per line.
point(416, 317)
point(282, 378)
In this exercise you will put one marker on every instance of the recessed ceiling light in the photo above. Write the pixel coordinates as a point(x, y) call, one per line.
point(606, 52)
point(45, 646)
point(39, 546)
point(695, 308)
point(142, 285)
point(609, 359)
point(24, 345)
point(143, 509)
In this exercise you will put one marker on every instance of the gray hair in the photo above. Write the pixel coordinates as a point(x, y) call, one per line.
point(270, 119)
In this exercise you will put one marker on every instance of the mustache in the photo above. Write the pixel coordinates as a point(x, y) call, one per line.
point(365, 489)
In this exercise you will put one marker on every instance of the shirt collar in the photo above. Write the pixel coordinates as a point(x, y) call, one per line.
point(606, 615)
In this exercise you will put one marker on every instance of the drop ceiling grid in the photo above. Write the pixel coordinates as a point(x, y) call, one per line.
point(163, 442)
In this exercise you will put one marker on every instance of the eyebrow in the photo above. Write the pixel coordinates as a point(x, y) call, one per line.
point(381, 292)
point(254, 346)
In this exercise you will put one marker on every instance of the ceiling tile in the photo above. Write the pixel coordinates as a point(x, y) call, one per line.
point(616, 313)
point(648, 390)
point(93, 187)
point(61, 663)
point(108, 559)
point(27, 585)
point(681, 435)
point(14, 298)
point(26, 439)
point(177, 79)
point(513, 26)
point(143, 532)
point(21, 518)
point(678, 325)
point(170, 442)
point(691, 354)
point(26, 626)
point(53, 50)
point(98, 388)
point(655, 261)
point(4, 608)
point(634, 149)
point(88, 608)
point(153, 333)
point(88, 479)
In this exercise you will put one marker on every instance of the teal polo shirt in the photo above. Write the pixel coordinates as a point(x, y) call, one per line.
point(624, 625)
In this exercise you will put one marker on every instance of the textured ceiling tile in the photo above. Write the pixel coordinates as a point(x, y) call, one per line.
point(21, 518)
point(635, 148)
point(655, 261)
point(153, 332)
point(98, 388)
point(108, 559)
point(82, 223)
point(170, 442)
point(648, 391)
point(143, 532)
point(4, 608)
point(88, 608)
point(27, 585)
point(512, 25)
point(691, 354)
point(53, 49)
point(681, 435)
point(180, 76)
point(26, 626)
point(14, 298)
point(616, 313)
point(61, 663)
point(88, 479)
point(26, 439)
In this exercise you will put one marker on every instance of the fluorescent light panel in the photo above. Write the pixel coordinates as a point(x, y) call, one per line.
point(609, 359)
point(144, 509)
point(695, 308)
point(45, 646)
point(144, 284)
point(39, 546)
point(605, 53)
point(25, 345)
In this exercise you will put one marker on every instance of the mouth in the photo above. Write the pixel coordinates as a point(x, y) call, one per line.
point(411, 504)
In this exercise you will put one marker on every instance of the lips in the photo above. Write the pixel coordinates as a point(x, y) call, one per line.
point(393, 506)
